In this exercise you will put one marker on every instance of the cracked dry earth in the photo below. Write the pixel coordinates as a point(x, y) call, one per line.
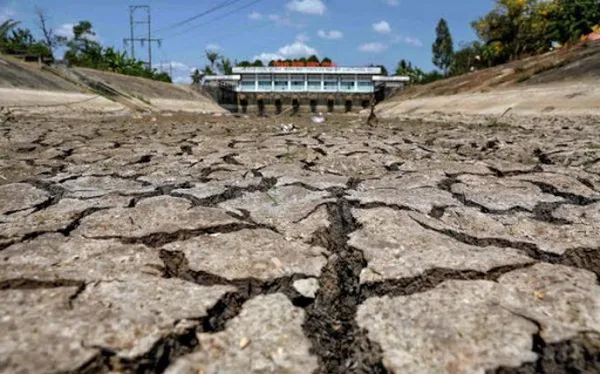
point(220, 245)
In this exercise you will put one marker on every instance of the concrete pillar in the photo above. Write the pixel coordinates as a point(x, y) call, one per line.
point(355, 82)
point(305, 82)
point(339, 83)
point(289, 82)
point(272, 82)
point(322, 83)
point(255, 82)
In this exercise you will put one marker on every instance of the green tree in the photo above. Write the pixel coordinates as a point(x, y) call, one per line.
point(570, 19)
point(406, 69)
point(244, 64)
point(225, 66)
point(116, 61)
point(326, 60)
point(86, 52)
point(6, 27)
point(312, 58)
point(196, 77)
point(466, 58)
point(212, 57)
point(518, 27)
point(207, 71)
point(22, 42)
point(258, 64)
point(83, 50)
point(443, 48)
point(431, 77)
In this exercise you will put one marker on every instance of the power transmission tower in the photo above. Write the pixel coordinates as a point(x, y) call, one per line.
point(132, 38)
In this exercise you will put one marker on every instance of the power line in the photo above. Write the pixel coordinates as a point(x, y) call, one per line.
point(215, 19)
point(219, 6)
point(242, 31)
point(132, 39)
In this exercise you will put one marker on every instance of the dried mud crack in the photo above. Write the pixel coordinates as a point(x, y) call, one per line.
point(330, 323)
point(431, 279)
point(580, 354)
point(583, 258)
point(134, 245)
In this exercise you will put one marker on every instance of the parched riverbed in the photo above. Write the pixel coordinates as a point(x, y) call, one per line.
point(226, 245)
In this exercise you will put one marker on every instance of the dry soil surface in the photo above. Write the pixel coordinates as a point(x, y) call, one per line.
point(226, 245)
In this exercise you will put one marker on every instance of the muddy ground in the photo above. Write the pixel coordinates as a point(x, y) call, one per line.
point(203, 244)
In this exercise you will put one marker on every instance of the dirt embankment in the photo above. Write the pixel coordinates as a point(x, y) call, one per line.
point(14, 74)
point(563, 82)
point(32, 89)
point(160, 95)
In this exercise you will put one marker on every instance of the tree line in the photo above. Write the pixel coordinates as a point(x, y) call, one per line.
point(513, 29)
point(82, 49)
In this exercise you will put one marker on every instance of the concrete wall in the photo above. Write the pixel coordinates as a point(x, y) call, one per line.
point(32, 88)
point(562, 99)
point(273, 103)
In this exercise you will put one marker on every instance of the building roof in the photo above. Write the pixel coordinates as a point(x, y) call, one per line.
point(222, 78)
point(307, 70)
point(394, 78)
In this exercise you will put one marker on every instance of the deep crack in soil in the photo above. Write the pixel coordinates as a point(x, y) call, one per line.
point(330, 323)
point(583, 258)
point(176, 344)
point(432, 278)
point(339, 343)
point(580, 355)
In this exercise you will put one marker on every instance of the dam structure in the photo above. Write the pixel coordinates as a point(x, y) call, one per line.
point(274, 89)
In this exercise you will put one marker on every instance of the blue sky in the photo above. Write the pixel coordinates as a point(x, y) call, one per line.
point(350, 32)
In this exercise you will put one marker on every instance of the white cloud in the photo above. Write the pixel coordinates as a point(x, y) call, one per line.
point(407, 40)
point(266, 57)
point(303, 38)
point(65, 30)
point(213, 47)
point(392, 2)
point(297, 49)
point(181, 71)
point(312, 7)
point(374, 47)
point(382, 27)
point(255, 16)
point(294, 50)
point(331, 35)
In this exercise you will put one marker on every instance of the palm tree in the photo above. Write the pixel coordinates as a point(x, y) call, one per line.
point(196, 77)
point(208, 71)
point(115, 60)
point(5, 28)
point(212, 57)
point(225, 66)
